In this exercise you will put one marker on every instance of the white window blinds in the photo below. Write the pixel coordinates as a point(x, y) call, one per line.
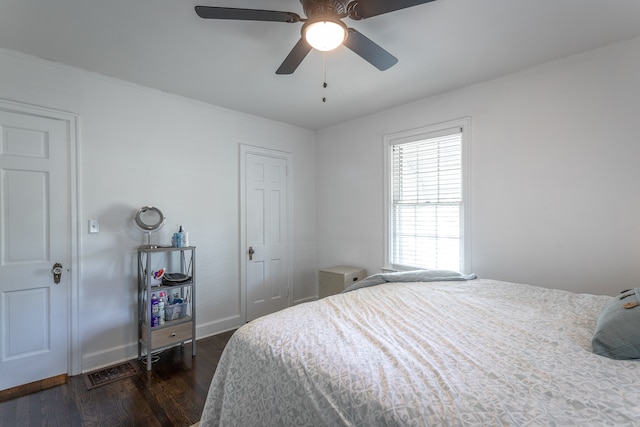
point(427, 202)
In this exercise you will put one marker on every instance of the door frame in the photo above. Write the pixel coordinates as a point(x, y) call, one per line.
point(74, 355)
point(268, 152)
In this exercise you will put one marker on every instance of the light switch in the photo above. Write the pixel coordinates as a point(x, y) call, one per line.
point(94, 226)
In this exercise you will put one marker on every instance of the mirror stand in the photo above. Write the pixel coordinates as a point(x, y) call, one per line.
point(149, 219)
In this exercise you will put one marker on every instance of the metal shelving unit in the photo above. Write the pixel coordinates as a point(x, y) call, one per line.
point(172, 332)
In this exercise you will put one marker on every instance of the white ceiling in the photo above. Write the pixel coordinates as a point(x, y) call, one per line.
point(442, 45)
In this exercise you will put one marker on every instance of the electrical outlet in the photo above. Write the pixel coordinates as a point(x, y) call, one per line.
point(94, 226)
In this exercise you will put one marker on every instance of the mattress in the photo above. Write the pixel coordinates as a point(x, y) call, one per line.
point(477, 352)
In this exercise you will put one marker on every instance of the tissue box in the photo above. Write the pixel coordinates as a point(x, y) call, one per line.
point(175, 311)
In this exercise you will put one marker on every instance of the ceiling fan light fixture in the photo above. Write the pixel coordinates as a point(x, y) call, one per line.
point(325, 35)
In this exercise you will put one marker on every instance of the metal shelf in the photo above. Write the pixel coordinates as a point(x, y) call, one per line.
point(171, 332)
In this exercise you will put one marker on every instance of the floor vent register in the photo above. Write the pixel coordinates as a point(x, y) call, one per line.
point(108, 375)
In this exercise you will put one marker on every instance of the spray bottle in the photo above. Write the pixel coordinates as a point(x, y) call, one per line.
point(185, 236)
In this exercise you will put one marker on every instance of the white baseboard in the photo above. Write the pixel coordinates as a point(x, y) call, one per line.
point(218, 327)
point(308, 299)
point(120, 354)
point(109, 357)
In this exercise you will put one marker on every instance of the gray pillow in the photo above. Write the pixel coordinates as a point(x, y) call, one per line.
point(617, 333)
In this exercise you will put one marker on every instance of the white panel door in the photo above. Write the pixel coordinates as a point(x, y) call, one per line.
point(34, 234)
point(267, 274)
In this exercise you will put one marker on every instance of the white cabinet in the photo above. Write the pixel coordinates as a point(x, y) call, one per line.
point(334, 280)
point(178, 324)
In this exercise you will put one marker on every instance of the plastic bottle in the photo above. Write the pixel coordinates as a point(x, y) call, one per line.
point(155, 321)
point(185, 236)
point(161, 308)
point(176, 240)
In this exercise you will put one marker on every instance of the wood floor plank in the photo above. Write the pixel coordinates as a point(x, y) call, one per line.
point(9, 413)
point(53, 408)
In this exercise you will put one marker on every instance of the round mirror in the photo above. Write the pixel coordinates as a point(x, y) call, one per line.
point(149, 218)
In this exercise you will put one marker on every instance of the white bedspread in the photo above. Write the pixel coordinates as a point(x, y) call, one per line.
point(476, 353)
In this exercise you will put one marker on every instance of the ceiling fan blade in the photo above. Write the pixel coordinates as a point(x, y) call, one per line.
point(295, 57)
point(369, 51)
point(211, 12)
point(361, 9)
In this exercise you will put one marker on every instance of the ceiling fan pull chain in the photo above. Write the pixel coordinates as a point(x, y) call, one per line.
point(324, 74)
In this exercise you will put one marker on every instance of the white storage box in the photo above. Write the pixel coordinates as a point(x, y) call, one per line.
point(334, 280)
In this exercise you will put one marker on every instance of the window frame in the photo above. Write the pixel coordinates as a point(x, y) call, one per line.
point(418, 134)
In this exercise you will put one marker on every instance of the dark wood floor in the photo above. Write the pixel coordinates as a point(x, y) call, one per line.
point(171, 394)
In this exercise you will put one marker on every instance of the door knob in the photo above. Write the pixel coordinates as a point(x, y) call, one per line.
point(251, 252)
point(57, 272)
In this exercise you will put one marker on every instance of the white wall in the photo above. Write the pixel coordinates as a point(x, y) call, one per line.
point(554, 177)
point(139, 146)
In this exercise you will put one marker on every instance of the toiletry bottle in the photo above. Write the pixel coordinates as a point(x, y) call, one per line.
point(185, 236)
point(177, 240)
point(161, 304)
point(155, 321)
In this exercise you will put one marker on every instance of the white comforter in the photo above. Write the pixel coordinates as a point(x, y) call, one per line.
point(475, 353)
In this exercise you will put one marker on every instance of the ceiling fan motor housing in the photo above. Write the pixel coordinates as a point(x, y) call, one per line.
point(315, 9)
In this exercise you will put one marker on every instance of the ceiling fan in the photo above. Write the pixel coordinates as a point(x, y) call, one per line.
point(322, 28)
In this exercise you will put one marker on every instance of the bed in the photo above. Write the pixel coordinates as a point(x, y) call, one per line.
point(438, 353)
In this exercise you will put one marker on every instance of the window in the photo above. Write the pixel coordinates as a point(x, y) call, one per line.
point(426, 198)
